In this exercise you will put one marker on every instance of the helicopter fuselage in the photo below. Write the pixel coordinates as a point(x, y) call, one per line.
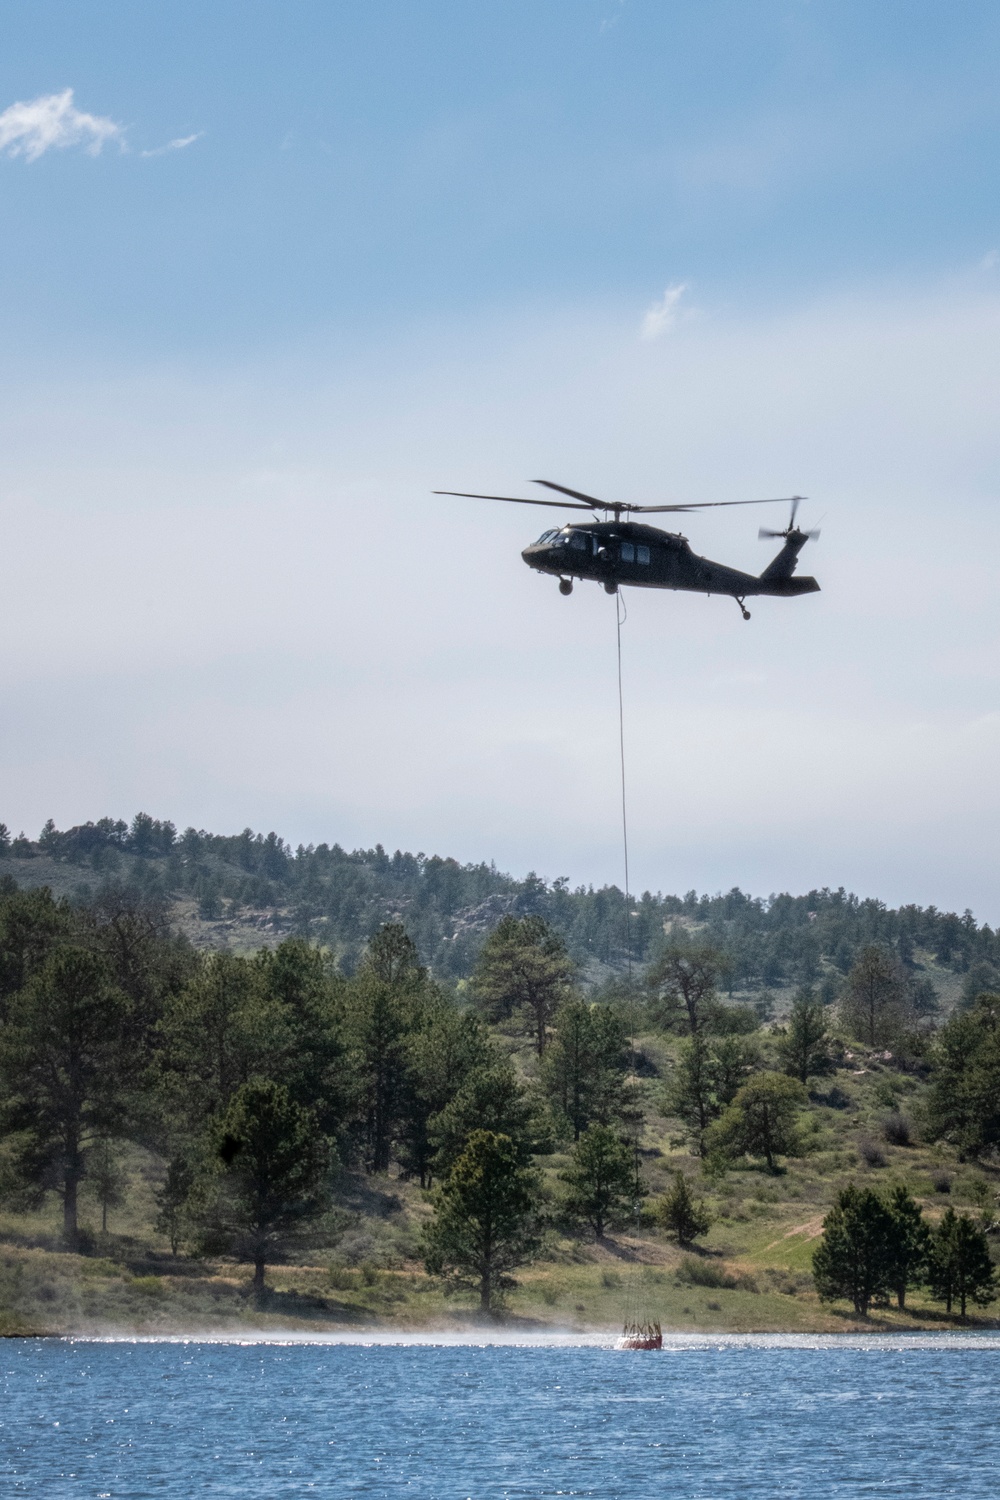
point(630, 553)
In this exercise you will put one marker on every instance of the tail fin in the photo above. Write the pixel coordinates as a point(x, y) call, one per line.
point(783, 566)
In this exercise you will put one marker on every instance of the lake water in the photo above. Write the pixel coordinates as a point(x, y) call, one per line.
point(746, 1417)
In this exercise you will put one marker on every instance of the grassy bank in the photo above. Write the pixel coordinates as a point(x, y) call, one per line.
point(750, 1273)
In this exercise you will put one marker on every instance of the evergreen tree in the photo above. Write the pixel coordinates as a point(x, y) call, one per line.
point(911, 1244)
point(679, 1214)
point(297, 979)
point(485, 1218)
point(523, 969)
point(490, 1099)
point(960, 1267)
point(387, 1002)
point(217, 1033)
point(275, 1165)
point(584, 1066)
point(68, 1080)
point(691, 1093)
point(855, 1257)
point(733, 1059)
point(173, 1198)
point(683, 980)
point(707, 1078)
point(963, 1102)
point(32, 925)
point(601, 1178)
point(804, 1049)
point(760, 1121)
point(874, 1003)
point(107, 1179)
point(450, 1049)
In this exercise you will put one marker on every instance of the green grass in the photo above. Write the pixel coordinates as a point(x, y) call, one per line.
point(750, 1273)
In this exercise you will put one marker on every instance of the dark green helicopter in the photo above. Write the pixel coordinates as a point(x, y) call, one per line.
point(619, 552)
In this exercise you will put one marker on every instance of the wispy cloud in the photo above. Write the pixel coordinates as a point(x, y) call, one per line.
point(177, 145)
point(612, 20)
point(663, 314)
point(52, 121)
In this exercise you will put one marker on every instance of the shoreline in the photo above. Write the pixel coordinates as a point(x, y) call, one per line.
point(676, 1342)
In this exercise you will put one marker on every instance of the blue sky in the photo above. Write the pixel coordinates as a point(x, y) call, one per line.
point(359, 164)
point(277, 271)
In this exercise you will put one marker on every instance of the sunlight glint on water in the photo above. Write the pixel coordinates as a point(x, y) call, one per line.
point(748, 1418)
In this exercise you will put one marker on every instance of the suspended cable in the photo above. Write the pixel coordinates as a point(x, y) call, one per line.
point(639, 1331)
point(620, 618)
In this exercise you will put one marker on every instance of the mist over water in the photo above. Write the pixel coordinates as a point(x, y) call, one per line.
point(708, 1418)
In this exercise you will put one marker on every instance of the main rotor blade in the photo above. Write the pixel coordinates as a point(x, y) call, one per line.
point(654, 509)
point(591, 502)
point(712, 504)
point(512, 499)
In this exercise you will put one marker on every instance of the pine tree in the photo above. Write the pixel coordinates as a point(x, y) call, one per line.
point(960, 1265)
point(911, 1244)
point(172, 1199)
point(760, 1121)
point(683, 980)
point(584, 1066)
point(387, 1001)
point(68, 1078)
point(524, 969)
point(275, 1164)
point(855, 1257)
point(601, 1178)
point(874, 1004)
point(493, 1099)
point(680, 1215)
point(691, 1093)
point(804, 1049)
point(485, 1218)
point(107, 1179)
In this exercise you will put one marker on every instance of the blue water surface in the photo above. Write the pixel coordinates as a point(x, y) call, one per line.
point(747, 1418)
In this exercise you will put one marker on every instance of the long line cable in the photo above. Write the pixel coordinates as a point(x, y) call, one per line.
point(620, 617)
point(633, 1310)
point(637, 1320)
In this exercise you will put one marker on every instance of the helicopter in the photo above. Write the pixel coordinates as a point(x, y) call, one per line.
point(616, 552)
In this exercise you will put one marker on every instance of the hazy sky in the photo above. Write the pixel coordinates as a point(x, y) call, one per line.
point(273, 272)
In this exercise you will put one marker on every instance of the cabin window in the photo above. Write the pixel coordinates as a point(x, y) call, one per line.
point(642, 555)
point(628, 552)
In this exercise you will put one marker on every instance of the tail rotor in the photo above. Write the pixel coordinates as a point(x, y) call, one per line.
point(791, 529)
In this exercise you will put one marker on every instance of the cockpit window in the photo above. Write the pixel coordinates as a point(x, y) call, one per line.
point(578, 540)
point(547, 536)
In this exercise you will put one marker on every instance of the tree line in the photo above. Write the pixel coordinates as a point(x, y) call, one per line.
point(340, 898)
point(875, 1247)
point(259, 1080)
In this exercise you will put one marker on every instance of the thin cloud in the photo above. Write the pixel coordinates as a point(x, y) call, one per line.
point(52, 122)
point(663, 314)
point(178, 145)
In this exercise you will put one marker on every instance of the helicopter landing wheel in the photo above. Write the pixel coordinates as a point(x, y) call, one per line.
point(565, 585)
point(611, 588)
point(743, 609)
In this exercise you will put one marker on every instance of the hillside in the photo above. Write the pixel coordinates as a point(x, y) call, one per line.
point(391, 1069)
point(751, 1273)
point(240, 892)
